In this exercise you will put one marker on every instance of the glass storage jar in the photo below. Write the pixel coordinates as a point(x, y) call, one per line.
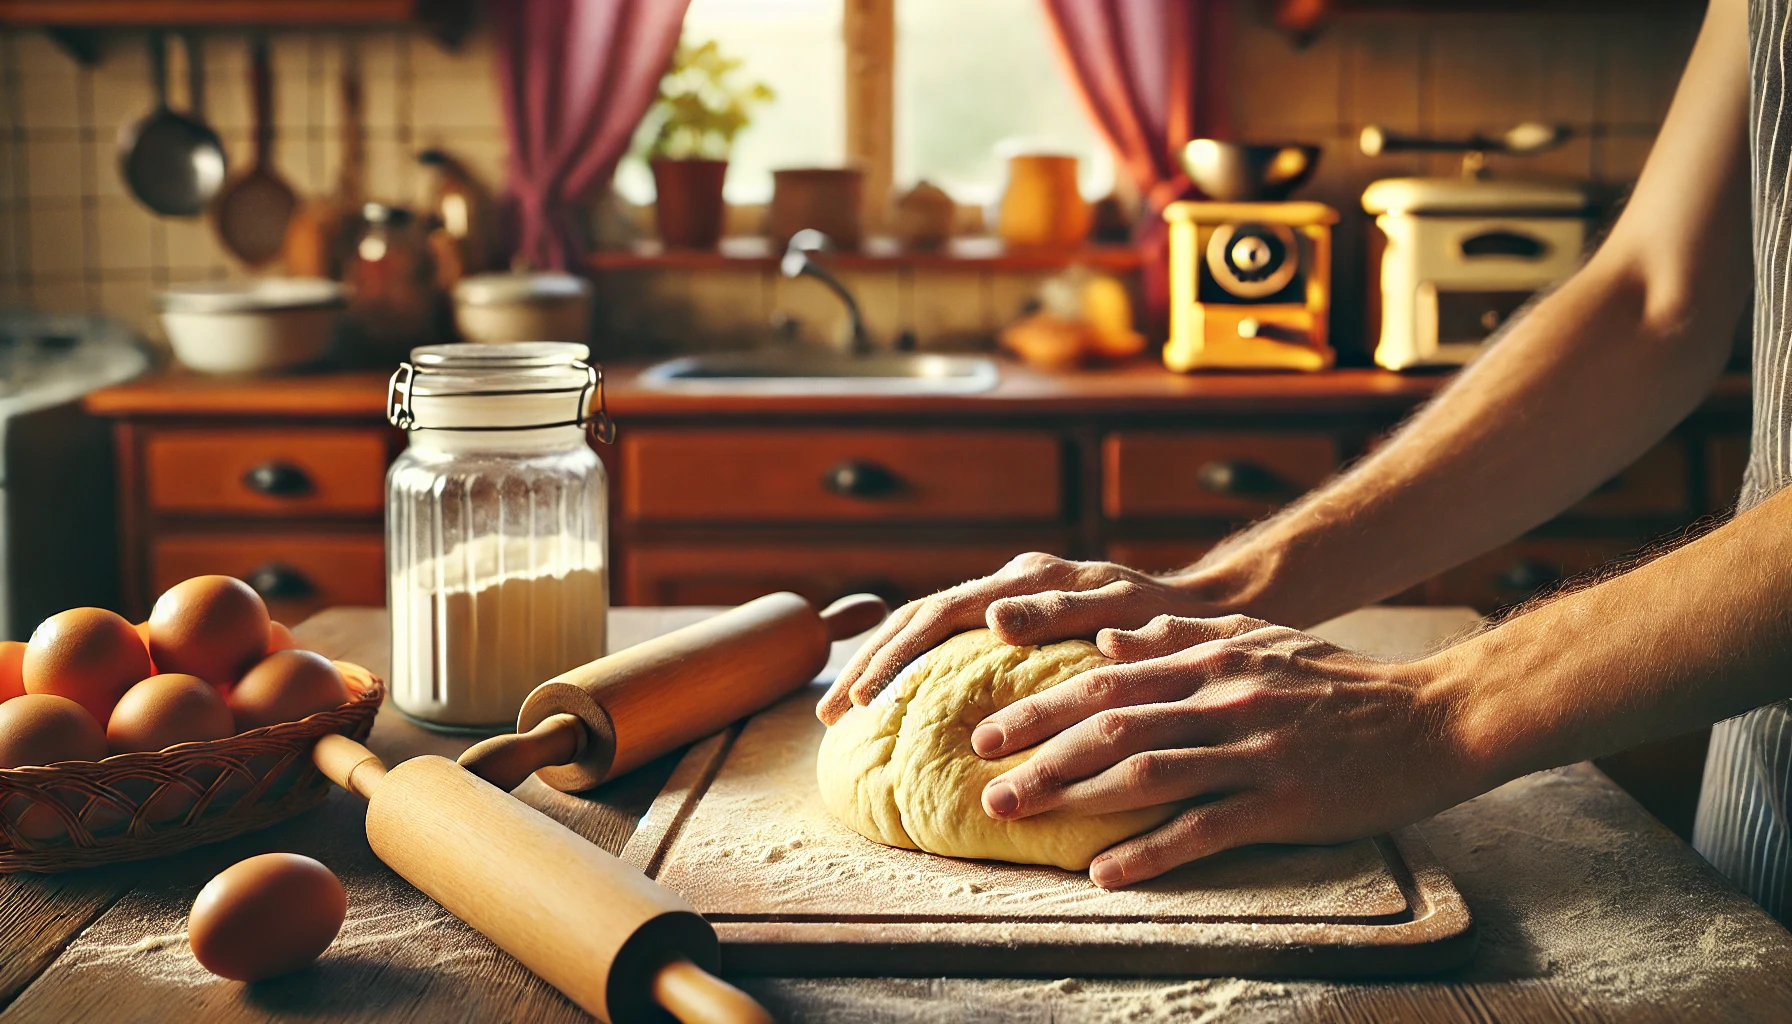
point(496, 527)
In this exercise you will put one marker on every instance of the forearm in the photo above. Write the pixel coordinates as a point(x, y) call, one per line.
point(1696, 636)
point(1589, 379)
point(1572, 395)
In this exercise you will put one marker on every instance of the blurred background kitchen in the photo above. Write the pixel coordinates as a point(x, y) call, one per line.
point(967, 78)
point(229, 278)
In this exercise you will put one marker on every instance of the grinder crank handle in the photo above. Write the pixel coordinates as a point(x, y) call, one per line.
point(687, 991)
point(507, 761)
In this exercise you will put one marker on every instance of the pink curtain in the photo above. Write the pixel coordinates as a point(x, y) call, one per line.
point(575, 77)
point(1150, 73)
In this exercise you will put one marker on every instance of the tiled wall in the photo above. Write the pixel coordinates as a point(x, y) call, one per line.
point(71, 239)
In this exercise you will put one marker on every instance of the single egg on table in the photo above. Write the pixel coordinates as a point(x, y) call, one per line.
point(167, 709)
point(266, 916)
point(89, 655)
point(12, 669)
point(213, 627)
point(284, 687)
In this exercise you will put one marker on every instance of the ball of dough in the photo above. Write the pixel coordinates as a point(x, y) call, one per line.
point(901, 772)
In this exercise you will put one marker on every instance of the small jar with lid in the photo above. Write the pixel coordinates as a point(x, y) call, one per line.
point(496, 527)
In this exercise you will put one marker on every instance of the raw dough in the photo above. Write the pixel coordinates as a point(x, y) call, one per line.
point(901, 772)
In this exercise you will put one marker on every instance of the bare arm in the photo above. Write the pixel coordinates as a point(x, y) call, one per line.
point(1291, 740)
point(1575, 391)
point(1587, 381)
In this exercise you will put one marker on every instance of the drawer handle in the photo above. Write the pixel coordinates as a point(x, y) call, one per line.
point(276, 582)
point(856, 478)
point(278, 480)
point(1527, 576)
point(1237, 478)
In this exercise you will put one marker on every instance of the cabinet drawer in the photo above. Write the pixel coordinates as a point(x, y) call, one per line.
point(1149, 473)
point(728, 574)
point(841, 475)
point(1521, 570)
point(1656, 484)
point(267, 472)
point(296, 573)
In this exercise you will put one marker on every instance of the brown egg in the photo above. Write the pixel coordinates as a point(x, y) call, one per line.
point(266, 916)
point(12, 669)
point(167, 709)
point(280, 638)
point(40, 728)
point(213, 627)
point(285, 687)
point(89, 655)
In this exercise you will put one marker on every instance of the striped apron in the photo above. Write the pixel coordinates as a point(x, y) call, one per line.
point(1742, 826)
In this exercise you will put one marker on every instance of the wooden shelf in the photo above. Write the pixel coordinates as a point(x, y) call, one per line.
point(447, 19)
point(751, 252)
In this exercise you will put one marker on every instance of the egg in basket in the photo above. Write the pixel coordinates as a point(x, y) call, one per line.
point(122, 742)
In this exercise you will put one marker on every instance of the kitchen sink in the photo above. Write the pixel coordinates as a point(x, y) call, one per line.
point(822, 373)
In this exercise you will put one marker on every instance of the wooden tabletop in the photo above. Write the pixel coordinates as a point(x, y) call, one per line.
point(1587, 909)
point(1141, 386)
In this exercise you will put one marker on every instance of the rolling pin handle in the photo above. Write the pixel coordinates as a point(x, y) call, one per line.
point(853, 614)
point(695, 996)
point(506, 761)
point(349, 764)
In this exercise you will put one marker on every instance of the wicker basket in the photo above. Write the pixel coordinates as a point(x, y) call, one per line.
point(77, 814)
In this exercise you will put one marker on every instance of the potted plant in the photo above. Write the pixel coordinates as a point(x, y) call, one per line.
point(699, 111)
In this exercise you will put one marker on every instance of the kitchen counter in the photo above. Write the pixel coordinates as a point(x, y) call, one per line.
point(1138, 387)
point(1586, 908)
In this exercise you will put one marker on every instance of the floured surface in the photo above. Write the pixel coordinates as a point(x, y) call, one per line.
point(760, 844)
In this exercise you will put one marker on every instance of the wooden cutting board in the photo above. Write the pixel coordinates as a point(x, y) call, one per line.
point(740, 831)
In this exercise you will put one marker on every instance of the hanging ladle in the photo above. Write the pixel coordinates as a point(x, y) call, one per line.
point(172, 163)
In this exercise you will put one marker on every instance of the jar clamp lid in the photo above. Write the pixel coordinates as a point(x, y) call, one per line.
point(505, 370)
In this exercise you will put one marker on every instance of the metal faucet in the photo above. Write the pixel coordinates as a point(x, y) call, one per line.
point(798, 263)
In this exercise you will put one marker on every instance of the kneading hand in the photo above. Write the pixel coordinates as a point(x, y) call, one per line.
point(1272, 735)
point(1034, 599)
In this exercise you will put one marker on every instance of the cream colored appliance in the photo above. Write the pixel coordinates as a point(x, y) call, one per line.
point(1462, 255)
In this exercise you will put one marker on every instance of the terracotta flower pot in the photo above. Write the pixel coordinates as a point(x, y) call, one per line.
point(689, 205)
point(827, 199)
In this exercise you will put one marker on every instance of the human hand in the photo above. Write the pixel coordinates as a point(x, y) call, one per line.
point(1273, 735)
point(1034, 599)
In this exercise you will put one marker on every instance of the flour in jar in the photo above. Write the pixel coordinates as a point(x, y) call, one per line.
point(475, 629)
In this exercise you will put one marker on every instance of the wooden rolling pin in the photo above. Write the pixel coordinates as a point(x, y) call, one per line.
point(619, 712)
point(588, 924)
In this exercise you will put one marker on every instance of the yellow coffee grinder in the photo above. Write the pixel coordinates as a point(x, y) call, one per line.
point(1250, 270)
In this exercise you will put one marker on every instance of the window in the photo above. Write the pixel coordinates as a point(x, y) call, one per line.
point(797, 48)
point(977, 82)
point(972, 82)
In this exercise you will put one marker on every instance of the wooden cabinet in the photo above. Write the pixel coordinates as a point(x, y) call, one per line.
point(809, 475)
point(1150, 474)
point(296, 572)
point(289, 472)
point(1523, 569)
point(719, 499)
point(697, 573)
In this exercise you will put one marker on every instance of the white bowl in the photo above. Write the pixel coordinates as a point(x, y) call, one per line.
point(544, 306)
point(270, 323)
